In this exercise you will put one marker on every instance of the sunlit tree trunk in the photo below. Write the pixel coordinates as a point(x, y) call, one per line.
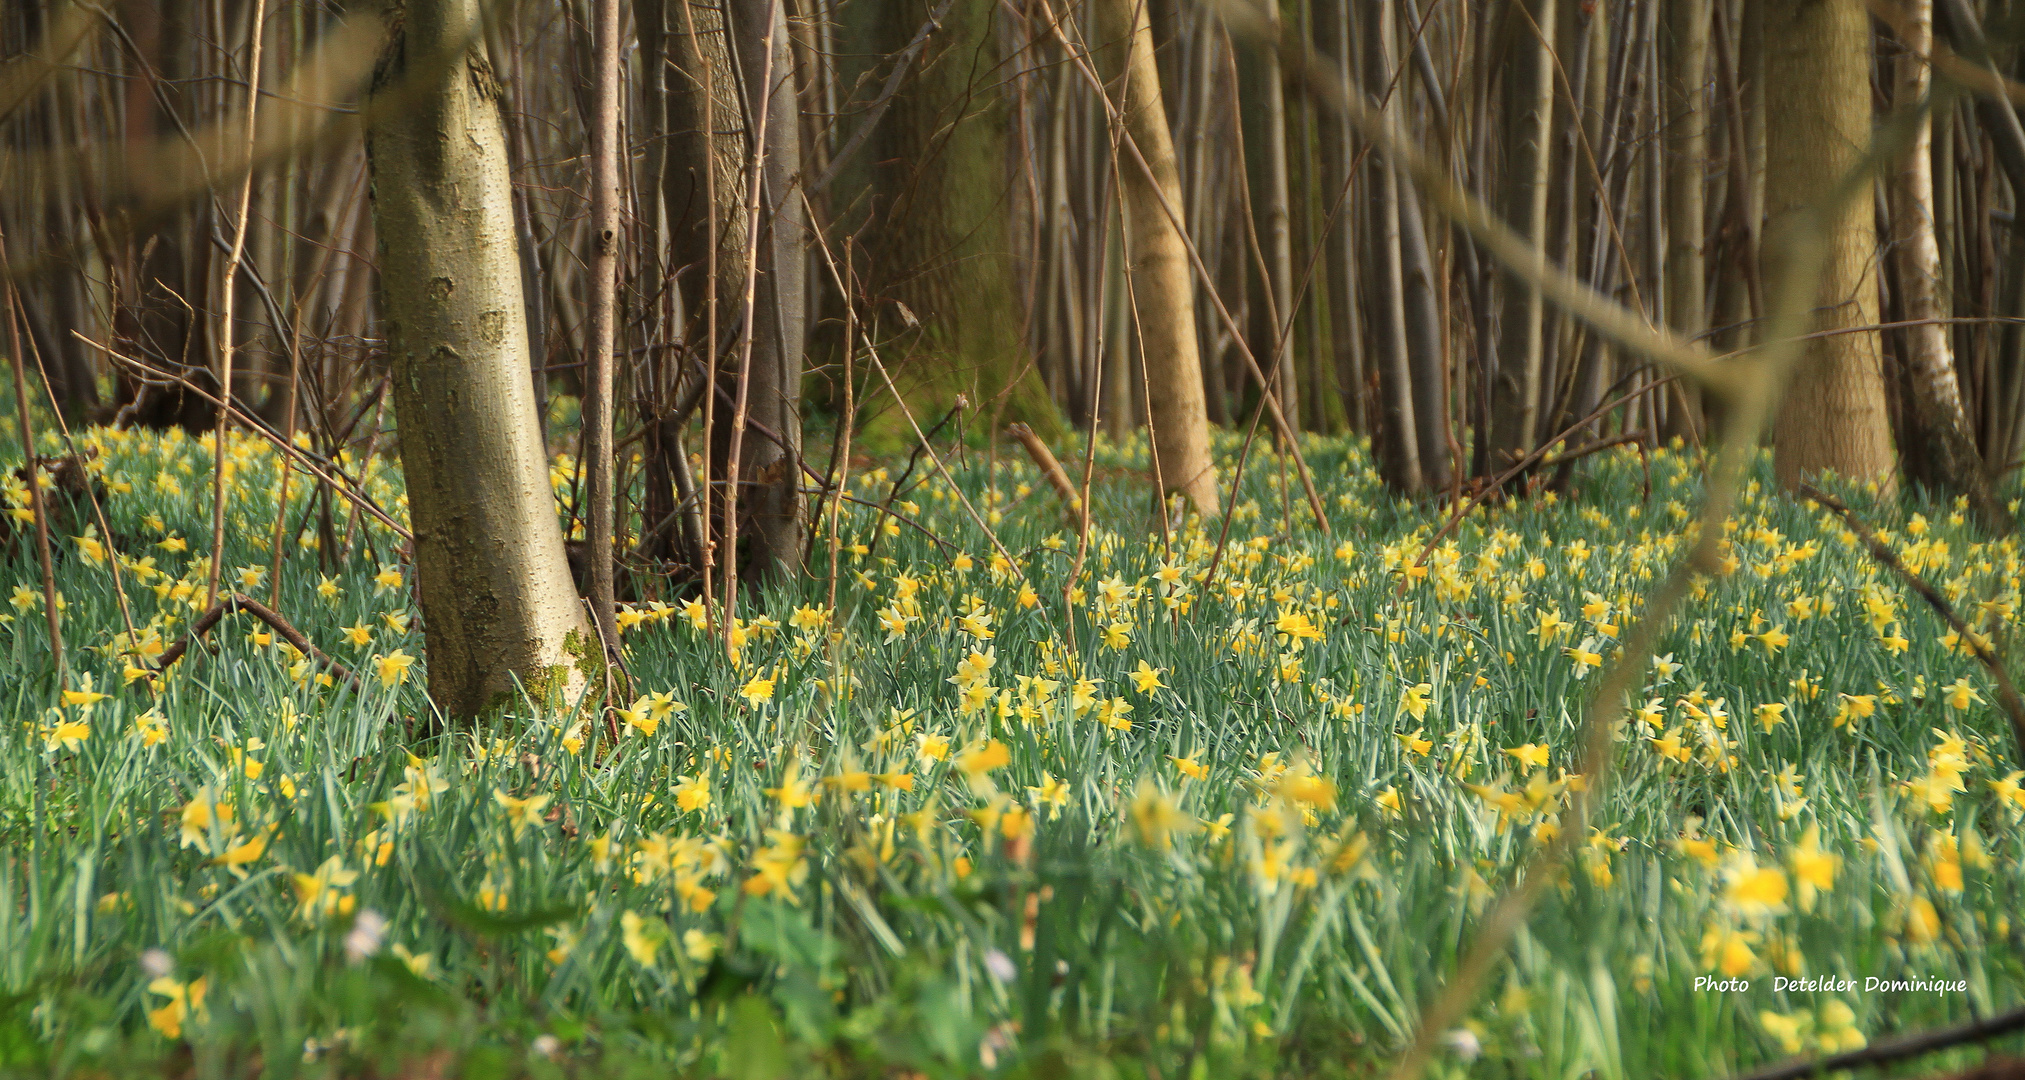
point(1163, 283)
point(1818, 121)
point(498, 607)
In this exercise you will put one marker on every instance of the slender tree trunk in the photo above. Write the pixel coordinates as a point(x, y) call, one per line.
point(1818, 121)
point(1271, 199)
point(703, 190)
point(1686, 118)
point(606, 232)
point(1529, 121)
point(1426, 356)
point(1163, 283)
point(1950, 461)
point(497, 603)
point(771, 462)
point(1399, 440)
point(1341, 267)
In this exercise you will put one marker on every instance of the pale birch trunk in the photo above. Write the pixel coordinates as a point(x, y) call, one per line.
point(1949, 460)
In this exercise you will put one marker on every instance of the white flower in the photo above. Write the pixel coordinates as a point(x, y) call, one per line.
point(157, 963)
point(368, 930)
point(1464, 1042)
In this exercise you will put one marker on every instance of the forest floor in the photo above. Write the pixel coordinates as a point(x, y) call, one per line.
point(1168, 825)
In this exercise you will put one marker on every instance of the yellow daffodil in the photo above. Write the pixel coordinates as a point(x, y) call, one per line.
point(520, 813)
point(393, 667)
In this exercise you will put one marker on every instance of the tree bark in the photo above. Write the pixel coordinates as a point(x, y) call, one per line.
point(1275, 227)
point(498, 607)
point(601, 331)
point(1156, 258)
point(1818, 120)
point(1426, 357)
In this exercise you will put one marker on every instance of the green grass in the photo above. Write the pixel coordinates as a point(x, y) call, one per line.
point(1078, 905)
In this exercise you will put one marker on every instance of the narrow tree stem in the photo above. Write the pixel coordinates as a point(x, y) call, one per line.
point(231, 281)
point(600, 541)
point(760, 110)
point(37, 505)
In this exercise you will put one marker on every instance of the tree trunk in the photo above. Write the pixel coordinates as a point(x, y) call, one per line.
point(1950, 461)
point(1163, 283)
point(770, 464)
point(1529, 121)
point(602, 324)
point(497, 603)
point(1686, 118)
point(1399, 442)
point(1427, 359)
point(1266, 154)
point(1342, 269)
point(1818, 119)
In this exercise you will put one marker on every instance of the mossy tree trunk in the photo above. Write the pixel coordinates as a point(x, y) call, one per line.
point(939, 245)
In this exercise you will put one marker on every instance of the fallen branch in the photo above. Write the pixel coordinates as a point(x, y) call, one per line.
point(274, 621)
point(1051, 468)
point(2007, 691)
point(1898, 1049)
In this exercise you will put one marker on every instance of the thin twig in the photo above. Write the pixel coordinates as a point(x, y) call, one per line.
point(226, 338)
point(839, 479)
point(897, 516)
